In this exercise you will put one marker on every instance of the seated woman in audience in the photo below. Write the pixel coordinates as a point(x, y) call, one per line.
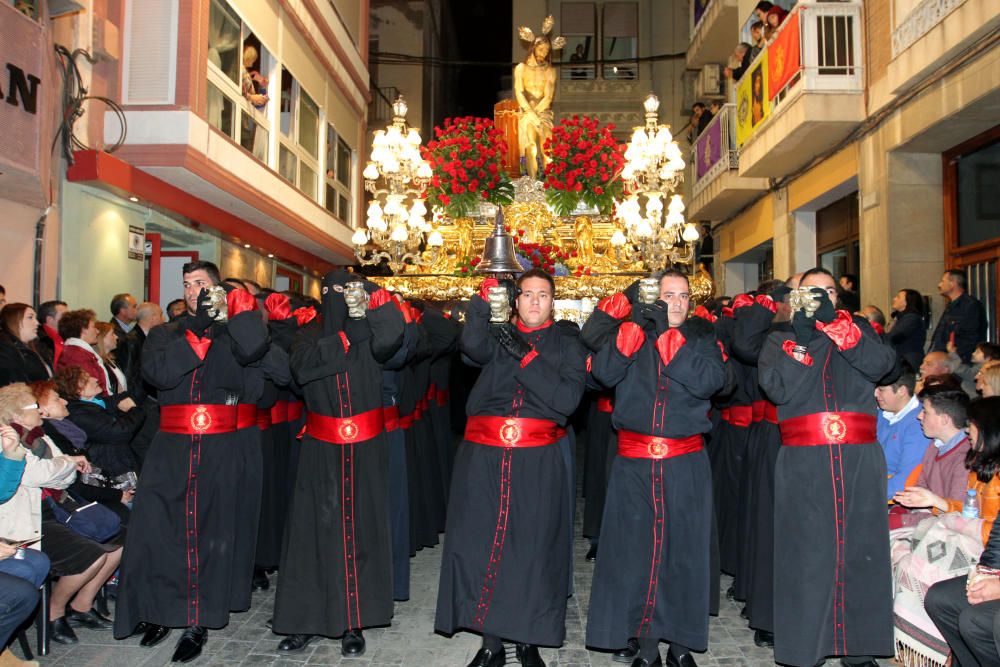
point(982, 354)
point(107, 434)
point(21, 574)
point(81, 564)
point(107, 341)
point(988, 379)
point(78, 329)
point(19, 358)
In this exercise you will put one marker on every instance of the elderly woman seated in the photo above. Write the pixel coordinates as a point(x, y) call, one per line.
point(81, 564)
point(103, 432)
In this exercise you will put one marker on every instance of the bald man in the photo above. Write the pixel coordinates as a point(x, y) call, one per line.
point(940, 363)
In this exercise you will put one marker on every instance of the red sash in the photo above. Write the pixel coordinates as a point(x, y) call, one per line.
point(263, 418)
point(442, 396)
point(206, 419)
point(604, 404)
point(390, 416)
point(634, 445)
point(828, 428)
point(345, 430)
point(294, 411)
point(512, 431)
point(279, 412)
point(738, 415)
point(406, 421)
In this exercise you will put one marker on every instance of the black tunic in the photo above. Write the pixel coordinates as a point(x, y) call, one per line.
point(187, 559)
point(652, 576)
point(336, 571)
point(833, 585)
point(505, 570)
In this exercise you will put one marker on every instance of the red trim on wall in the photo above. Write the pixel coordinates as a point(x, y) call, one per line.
point(104, 170)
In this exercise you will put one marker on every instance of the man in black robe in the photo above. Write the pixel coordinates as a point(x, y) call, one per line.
point(833, 583)
point(504, 571)
point(189, 558)
point(335, 576)
point(651, 582)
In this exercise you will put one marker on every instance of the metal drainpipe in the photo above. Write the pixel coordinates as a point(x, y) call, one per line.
point(36, 290)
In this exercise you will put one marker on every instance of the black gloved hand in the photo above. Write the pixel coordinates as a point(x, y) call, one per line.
point(826, 312)
point(779, 293)
point(513, 291)
point(201, 320)
point(651, 312)
point(508, 338)
point(804, 327)
point(632, 293)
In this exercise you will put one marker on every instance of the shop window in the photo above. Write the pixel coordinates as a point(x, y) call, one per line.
point(620, 40)
point(237, 80)
point(579, 26)
point(299, 142)
point(339, 176)
point(977, 184)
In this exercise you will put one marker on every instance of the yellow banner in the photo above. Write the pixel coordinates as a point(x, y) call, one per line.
point(752, 101)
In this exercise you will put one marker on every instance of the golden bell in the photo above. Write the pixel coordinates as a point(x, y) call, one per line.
point(498, 253)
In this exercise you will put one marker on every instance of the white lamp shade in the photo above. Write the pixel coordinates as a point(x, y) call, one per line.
point(435, 240)
point(359, 237)
point(690, 233)
point(618, 238)
point(374, 210)
point(418, 208)
point(399, 234)
point(377, 224)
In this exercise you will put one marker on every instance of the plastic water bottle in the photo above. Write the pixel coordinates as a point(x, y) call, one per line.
point(970, 510)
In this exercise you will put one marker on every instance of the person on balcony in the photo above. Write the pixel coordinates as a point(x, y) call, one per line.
point(741, 55)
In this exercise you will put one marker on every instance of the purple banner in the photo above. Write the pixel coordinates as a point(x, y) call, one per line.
point(708, 148)
point(698, 8)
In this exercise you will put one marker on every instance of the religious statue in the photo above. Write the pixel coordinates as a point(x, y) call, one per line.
point(534, 88)
point(583, 229)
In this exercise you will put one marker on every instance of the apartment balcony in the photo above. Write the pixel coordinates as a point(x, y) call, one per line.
point(804, 93)
point(928, 34)
point(715, 30)
point(717, 189)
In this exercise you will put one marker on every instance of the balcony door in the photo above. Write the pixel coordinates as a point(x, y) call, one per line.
point(837, 247)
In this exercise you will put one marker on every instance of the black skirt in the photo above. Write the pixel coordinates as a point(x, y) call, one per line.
point(652, 576)
point(595, 469)
point(423, 528)
point(729, 445)
point(764, 448)
point(70, 552)
point(505, 567)
point(190, 547)
point(336, 571)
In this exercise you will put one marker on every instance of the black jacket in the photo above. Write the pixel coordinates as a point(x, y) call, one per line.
point(965, 318)
point(907, 336)
point(108, 434)
point(19, 363)
point(991, 554)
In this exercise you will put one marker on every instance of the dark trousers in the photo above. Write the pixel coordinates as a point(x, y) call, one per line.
point(18, 599)
point(971, 630)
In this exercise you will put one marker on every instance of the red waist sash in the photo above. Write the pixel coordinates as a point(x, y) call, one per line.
point(765, 411)
point(512, 431)
point(390, 416)
point(604, 404)
point(738, 415)
point(206, 419)
point(263, 418)
point(442, 396)
point(634, 445)
point(279, 412)
point(406, 421)
point(828, 428)
point(345, 430)
point(294, 410)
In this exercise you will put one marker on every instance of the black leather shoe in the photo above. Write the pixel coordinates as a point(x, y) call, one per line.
point(269, 623)
point(591, 553)
point(295, 643)
point(487, 658)
point(87, 619)
point(686, 660)
point(642, 662)
point(153, 634)
point(763, 638)
point(527, 655)
point(628, 653)
point(260, 582)
point(190, 644)
point(61, 632)
point(353, 644)
point(731, 593)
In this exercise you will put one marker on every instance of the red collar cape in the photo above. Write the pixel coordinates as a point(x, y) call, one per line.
point(526, 329)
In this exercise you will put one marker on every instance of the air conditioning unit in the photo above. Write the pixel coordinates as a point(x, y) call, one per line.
point(710, 83)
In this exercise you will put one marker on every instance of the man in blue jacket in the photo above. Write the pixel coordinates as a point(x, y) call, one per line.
point(963, 318)
point(898, 429)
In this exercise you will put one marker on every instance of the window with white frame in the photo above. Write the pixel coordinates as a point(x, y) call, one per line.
point(340, 161)
point(620, 33)
point(579, 27)
point(299, 140)
point(237, 96)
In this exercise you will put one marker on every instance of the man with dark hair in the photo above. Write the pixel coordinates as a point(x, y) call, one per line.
point(833, 583)
point(963, 321)
point(848, 289)
point(147, 316)
point(664, 368)
point(875, 317)
point(189, 553)
point(505, 567)
point(50, 343)
point(175, 309)
point(899, 430)
point(210, 269)
point(123, 307)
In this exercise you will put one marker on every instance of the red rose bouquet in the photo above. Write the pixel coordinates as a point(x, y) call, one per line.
point(465, 156)
point(585, 162)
